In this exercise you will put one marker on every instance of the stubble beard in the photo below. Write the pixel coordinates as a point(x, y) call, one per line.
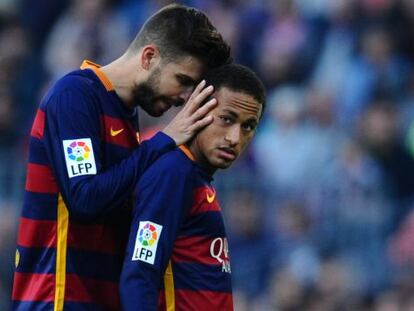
point(145, 93)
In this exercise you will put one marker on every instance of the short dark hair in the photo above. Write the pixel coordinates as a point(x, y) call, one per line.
point(179, 31)
point(238, 78)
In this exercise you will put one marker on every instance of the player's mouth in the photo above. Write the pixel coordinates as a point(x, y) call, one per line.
point(163, 105)
point(227, 153)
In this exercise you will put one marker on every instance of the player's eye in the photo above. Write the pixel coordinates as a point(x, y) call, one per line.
point(226, 119)
point(249, 127)
point(185, 81)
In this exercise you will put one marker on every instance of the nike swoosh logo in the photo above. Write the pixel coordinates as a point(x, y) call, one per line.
point(115, 133)
point(210, 198)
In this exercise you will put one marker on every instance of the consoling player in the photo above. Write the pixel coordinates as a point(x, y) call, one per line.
point(85, 159)
point(177, 256)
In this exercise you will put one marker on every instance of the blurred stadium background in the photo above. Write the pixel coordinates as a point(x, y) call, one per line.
point(320, 208)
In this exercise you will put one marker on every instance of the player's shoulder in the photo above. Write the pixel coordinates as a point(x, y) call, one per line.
point(76, 87)
point(81, 80)
point(174, 164)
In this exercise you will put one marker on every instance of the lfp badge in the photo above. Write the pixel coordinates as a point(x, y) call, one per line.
point(146, 241)
point(79, 157)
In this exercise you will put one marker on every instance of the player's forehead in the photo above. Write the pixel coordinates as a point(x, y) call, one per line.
point(242, 104)
point(188, 66)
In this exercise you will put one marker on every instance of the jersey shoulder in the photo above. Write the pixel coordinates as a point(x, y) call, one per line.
point(173, 165)
point(78, 88)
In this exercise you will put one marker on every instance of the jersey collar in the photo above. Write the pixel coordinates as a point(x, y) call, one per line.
point(187, 152)
point(87, 64)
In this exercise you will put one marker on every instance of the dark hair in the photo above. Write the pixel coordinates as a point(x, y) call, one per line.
point(238, 78)
point(179, 31)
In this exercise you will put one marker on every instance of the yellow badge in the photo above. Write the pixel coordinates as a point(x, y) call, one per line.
point(17, 258)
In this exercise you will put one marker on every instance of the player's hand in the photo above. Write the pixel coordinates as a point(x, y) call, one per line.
point(192, 117)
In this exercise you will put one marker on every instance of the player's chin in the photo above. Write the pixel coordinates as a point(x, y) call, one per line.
point(222, 163)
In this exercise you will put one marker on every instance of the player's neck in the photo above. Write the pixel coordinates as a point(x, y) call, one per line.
point(121, 75)
point(201, 160)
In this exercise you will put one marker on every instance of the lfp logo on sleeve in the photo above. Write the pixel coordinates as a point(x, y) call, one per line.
point(79, 157)
point(146, 242)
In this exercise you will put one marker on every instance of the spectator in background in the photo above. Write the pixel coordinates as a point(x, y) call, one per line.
point(8, 146)
point(283, 41)
point(13, 51)
point(381, 136)
point(378, 70)
point(285, 292)
point(335, 288)
point(293, 240)
point(88, 29)
point(282, 149)
point(337, 48)
point(249, 241)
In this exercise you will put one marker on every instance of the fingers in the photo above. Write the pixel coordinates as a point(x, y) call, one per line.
point(197, 90)
point(197, 99)
point(201, 124)
point(202, 111)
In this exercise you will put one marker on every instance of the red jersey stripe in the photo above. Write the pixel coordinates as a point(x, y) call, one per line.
point(42, 233)
point(89, 290)
point(204, 201)
point(40, 179)
point(39, 287)
point(36, 233)
point(194, 250)
point(90, 237)
point(38, 124)
point(119, 132)
point(187, 300)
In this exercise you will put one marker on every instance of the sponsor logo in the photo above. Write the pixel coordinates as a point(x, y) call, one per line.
point(79, 157)
point(116, 132)
point(211, 196)
point(219, 250)
point(146, 242)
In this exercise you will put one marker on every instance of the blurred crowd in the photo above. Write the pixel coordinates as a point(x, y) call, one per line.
point(320, 209)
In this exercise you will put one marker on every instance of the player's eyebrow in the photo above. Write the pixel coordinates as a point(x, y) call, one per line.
point(232, 113)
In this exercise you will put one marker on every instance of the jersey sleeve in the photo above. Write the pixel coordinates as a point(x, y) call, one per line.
point(165, 195)
point(73, 124)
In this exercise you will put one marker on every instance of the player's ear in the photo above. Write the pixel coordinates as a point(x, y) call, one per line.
point(150, 56)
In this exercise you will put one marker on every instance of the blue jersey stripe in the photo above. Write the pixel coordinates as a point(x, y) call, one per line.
point(83, 263)
point(208, 229)
point(40, 206)
point(33, 306)
point(36, 260)
point(37, 153)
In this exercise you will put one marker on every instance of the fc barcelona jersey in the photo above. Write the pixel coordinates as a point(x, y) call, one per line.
point(177, 256)
point(84, 161)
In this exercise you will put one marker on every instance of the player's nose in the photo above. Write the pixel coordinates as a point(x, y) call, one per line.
point(186, 93)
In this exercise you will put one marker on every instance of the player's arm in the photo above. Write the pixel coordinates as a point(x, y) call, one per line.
point(71, 115)
point(165, 194)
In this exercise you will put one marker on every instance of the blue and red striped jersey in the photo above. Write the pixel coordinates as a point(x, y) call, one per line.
point(177, 256)
point(84, 162)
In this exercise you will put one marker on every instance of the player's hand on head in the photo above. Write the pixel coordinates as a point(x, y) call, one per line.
point(192, 117)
